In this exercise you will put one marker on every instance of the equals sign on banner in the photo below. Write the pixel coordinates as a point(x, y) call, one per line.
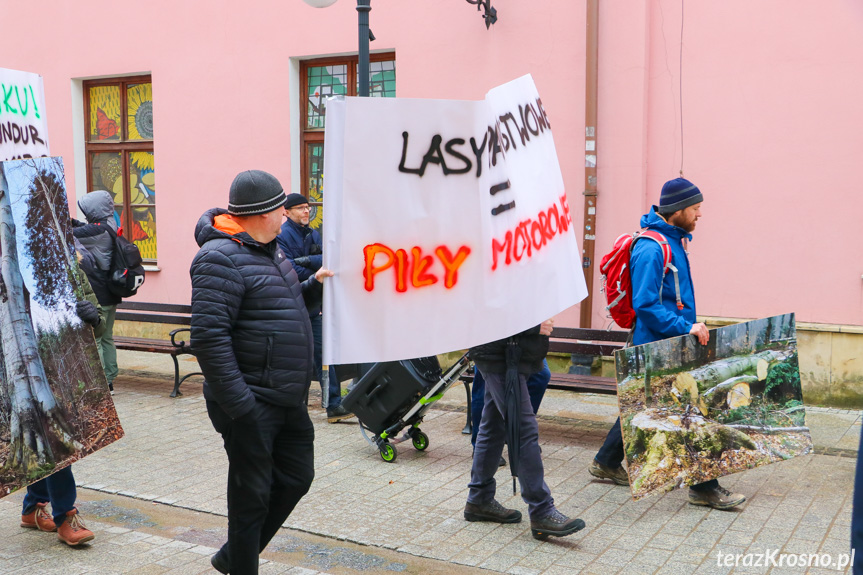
point(500, 208)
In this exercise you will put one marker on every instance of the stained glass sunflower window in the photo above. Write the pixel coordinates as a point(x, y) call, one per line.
point(120, 160)
point(139, 101)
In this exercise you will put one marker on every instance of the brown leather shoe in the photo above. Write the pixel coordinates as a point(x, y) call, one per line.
point(717, 498)
point(72, 531)
point(39, 519)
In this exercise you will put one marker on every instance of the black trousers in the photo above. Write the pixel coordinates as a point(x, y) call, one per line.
point(271, 467)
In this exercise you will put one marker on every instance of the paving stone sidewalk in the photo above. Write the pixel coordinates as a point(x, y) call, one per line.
point(172, 456)
point(115, 550)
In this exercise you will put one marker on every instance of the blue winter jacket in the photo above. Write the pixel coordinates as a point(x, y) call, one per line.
point(297, 240)
point(655, 319)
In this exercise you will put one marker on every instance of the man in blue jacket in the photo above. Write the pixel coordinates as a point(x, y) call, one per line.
point(303, 246)
point(658, 316)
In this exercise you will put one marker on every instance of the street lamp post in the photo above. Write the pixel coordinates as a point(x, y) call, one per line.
point(365, 35)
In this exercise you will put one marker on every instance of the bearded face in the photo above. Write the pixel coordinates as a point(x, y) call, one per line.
point(686, 218)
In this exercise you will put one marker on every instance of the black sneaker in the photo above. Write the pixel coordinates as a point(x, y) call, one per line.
point(555, 524)
point(338, 413)
point(111, 387)
point(491, 511)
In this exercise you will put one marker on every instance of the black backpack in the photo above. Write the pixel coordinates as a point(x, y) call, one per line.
point(126, 273)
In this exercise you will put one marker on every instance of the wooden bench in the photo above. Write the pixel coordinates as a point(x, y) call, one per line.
point(158, 313)
point(588, 342)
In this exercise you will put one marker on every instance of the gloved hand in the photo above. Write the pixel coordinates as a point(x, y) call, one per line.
point(304, 261)
point(316, 250)
point(88, 313)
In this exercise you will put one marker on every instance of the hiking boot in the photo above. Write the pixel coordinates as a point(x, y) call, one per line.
point(554, 524)
point(39, 519)
point(72, 531)
point(491, 511)
point(338, 413)
point(220, 562)
point(616, 474)
point(717, 498)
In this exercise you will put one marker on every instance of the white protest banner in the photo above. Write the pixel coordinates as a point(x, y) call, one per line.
point(447, 224)
point(23, 124)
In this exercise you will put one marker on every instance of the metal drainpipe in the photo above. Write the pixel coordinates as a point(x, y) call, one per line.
point(590, 193)
point(581, 364)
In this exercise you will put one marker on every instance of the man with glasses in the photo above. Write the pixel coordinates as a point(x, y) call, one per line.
point(303, 246)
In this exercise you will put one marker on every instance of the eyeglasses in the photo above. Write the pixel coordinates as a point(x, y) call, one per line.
point(301, 208)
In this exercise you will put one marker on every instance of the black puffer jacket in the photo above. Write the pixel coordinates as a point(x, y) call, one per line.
point(491, 357)
point(250, 328)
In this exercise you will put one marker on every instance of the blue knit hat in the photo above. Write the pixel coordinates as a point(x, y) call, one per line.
point(678, 194)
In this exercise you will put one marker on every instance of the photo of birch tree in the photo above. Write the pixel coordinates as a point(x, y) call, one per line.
point(690, 413)
point(55, 406)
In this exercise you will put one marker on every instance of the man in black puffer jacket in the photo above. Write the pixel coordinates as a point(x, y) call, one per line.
point(521, 355)
point(253, 340)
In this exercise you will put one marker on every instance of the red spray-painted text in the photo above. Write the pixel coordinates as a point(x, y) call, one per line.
point(532, 234)
point(412, 269)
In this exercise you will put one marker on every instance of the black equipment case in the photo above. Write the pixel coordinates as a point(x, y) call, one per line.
point(389, 389)
point(395, 395)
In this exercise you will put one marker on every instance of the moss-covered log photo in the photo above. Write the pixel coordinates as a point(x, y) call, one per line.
point(692, 413)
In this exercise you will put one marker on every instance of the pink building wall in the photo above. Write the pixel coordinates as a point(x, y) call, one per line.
point(771, 115)
point(771, 135)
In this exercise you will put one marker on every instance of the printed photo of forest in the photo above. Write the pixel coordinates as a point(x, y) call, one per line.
point(55, 406)
point(690, 413)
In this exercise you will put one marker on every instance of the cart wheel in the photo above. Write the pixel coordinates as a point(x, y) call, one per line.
point(388, 453)
point(420, 440)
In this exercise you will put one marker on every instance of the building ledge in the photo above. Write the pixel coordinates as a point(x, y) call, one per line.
point(801, 325)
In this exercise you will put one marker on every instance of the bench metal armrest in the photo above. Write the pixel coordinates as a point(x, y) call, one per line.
point(181, 344)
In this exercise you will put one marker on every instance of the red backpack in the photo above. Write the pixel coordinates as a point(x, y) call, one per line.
point(617, 283)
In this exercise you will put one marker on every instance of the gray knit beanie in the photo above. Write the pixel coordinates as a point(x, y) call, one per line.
point(255, 192)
